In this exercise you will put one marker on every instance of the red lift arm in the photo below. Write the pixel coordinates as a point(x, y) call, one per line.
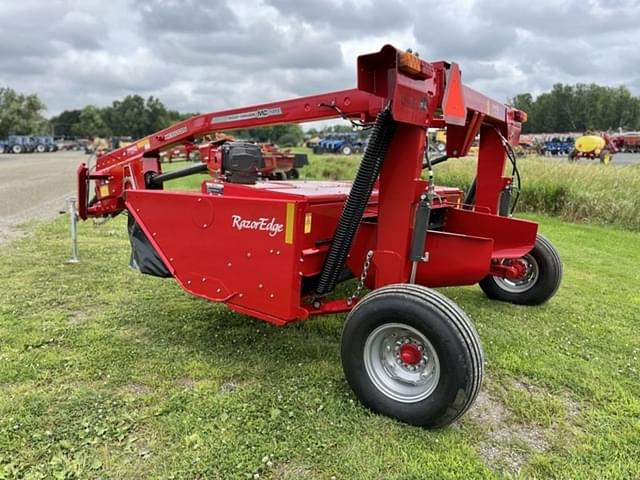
point(447, 103)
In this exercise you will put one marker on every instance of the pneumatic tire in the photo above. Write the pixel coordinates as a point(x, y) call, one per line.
point(605, 157)
point(440, 377)
point(573, 155)
point(539, 284)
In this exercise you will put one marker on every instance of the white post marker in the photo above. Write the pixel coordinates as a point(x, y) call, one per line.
point(73, 218)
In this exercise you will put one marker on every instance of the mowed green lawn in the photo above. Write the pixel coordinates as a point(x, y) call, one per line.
point(106, 373)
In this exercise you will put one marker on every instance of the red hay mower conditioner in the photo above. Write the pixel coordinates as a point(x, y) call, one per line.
point(276, 250)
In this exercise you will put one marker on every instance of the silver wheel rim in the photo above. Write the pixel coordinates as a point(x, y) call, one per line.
point(400, 381)
point(528, 280)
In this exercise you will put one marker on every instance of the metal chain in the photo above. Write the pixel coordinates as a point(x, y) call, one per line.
point(363, 277)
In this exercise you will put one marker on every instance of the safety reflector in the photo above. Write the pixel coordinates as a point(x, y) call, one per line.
point(453, 106)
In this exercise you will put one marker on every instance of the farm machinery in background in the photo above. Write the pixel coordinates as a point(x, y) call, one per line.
point(101, 145)
point(627, 142)
point(437, 140)
point(279, 164)
point(28, 144)
point(591, 146)
point(345, 143)
point(557, 146)
point(278, 250)
point(529, 145)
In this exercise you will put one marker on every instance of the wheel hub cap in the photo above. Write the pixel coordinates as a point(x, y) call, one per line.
point(522, 276)
point(401, 362)
point(410, 354)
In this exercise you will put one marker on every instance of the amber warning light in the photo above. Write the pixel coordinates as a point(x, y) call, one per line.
point(411, 65)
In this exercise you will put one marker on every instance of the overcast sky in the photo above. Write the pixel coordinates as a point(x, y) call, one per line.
point(200, 55)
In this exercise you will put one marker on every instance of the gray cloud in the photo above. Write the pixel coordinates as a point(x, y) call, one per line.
point(205, 55)
point(350, 18)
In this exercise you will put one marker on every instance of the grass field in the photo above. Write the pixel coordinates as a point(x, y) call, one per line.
point(105, 373)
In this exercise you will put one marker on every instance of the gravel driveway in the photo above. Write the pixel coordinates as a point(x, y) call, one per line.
point(34, 186)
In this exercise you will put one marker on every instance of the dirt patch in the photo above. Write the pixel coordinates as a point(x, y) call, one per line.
point(186, 383)
point(508, 445)
point(229, 387)
point(77, 318)
point(529, 387)
point(290, 471)
point(135, 389)
point(572, 407)
point(9, 232)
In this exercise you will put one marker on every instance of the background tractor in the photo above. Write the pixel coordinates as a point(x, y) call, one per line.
point(19, 144)
point(557, 146)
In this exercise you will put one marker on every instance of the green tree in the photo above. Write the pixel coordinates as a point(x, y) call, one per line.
point(62, 125)
point(580, 107)
point(21, 114)
point(136, 117)
point(91, 123)
point(285, 135)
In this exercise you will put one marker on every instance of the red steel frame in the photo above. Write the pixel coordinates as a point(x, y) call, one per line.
point(260, 274)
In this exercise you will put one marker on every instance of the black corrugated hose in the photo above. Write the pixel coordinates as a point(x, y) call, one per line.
point(379, 141)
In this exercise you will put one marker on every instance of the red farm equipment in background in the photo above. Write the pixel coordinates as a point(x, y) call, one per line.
point(627, 142)
point(277, 250)
point(278, 164)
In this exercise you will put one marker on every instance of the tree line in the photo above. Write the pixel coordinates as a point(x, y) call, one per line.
point(565, 108)
point(132, 116)
point(579, 108)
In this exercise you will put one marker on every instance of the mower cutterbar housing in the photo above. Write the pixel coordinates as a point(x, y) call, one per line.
point(260, 248)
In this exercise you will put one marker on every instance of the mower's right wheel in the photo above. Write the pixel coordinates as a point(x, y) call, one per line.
point(293, 174)
point(40, 148)
point(410, 353)
point(16, 148)
point(347, 150)
point(539, 282)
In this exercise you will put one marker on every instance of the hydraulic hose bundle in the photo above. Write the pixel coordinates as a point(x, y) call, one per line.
point(381, 136)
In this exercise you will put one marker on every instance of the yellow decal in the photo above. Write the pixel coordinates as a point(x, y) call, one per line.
point(307, 222)
point(104, 191)
point(288, 229)
point(144, 144)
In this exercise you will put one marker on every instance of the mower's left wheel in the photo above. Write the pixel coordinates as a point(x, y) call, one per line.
point(412, 354)
point(293, 174)
point(541, 277)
